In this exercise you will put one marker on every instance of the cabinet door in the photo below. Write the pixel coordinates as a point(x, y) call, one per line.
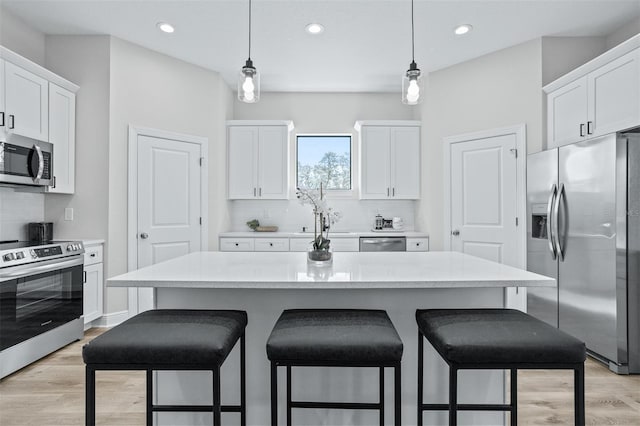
point(405, 163)
point(92, 292)
point(3, 111)
point(27, 103)
point(374, 162)
point(567, 114)
point(273, 164)
point(614, 95)
point(242, 165)
point(62, 128)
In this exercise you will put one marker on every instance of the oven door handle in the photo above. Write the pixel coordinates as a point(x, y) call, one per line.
point(40, 269)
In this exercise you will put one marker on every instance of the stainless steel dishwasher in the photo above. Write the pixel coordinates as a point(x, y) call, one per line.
point(383, 244)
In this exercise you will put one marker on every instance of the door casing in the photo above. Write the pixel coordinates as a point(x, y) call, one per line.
point(132, 198)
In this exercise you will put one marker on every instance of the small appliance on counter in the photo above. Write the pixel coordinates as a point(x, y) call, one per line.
point(381, 224)
point(41, 231)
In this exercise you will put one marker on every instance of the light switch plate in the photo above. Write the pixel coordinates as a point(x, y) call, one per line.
point(68, 213)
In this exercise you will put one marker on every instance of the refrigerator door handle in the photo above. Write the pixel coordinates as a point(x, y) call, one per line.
point(552, 197)
point(556, 220)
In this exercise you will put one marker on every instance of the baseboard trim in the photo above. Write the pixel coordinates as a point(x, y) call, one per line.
point(111, 320)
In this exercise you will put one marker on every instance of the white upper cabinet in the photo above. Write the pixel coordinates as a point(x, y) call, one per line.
point(389, 160)
point(600, 97)
point(258, 160)
point(62, 134)
point(567, 113)
point(26, 102)
point(615, 95)
point(3, 111)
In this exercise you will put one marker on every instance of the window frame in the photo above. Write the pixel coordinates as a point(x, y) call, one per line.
point(330, 193)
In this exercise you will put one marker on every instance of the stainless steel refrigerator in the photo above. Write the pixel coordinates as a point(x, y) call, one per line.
point(583, 207)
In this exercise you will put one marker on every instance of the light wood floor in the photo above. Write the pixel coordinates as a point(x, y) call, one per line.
point(51, 392)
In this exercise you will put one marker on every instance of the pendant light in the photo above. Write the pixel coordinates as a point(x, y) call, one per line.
point(249, 79)
point(412, 82)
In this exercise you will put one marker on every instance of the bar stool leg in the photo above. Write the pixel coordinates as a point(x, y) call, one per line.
point(578, 378)
point(274, 394)
point(514, 397)
point(149, 397)
point(90, 396)
point(243, 383)
point(397, 394)
point(381, 396)
point(217, 414)
point(420, 376)
point(453, 396)
point(288, 395)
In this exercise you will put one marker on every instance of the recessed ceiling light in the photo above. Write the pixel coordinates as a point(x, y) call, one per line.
point(166, 27)
point(314, 28)
point(462, 29)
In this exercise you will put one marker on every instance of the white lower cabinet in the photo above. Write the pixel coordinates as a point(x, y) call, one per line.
point(417, 244)
point(284, 244)
point(93, 282)
point(236, 244)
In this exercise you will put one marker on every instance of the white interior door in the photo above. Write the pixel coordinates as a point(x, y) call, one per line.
point(485, 201)
point(169, 198)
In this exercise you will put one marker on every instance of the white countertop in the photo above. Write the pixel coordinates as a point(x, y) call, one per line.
point(354, 234)
point(287, 270)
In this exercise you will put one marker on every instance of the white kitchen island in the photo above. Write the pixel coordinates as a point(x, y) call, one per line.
point(264, 284)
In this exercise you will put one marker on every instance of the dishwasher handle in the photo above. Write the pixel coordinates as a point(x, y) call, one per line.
point(383, 244)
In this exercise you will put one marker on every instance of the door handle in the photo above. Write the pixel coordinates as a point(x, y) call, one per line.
point(581, 129)
point(144, 235)
point(455, 232)
point(556, 214)
point(260, 192)
point(1, 118)
point(589, 127)
point(254, 192)
point(12, 120)
point(394, 192)
point(552, 197)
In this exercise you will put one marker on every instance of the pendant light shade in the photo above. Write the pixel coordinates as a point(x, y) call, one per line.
point(249, 78)
point(412, 81)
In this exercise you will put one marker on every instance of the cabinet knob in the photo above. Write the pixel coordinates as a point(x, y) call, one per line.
point(237, 244)
point(455, 232)
point(271, 244)
point(92, 255)
point(144, 235)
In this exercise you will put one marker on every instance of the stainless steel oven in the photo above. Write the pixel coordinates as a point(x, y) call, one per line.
point(41, 300)
point(26, 161)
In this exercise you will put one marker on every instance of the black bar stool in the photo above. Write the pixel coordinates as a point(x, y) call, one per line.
point(334, 338)
point(496, 339)
point(170, 339)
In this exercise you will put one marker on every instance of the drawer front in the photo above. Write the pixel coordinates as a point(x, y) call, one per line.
point(92, 255)
point(417, 244)
point(272, 244)
point(236, 244)
point(344, 244)
point(300, 244)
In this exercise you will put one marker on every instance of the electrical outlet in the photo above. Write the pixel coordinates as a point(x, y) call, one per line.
point(68, 213)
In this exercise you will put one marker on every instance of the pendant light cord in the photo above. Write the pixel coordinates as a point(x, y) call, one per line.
point(250, 29)
point(413, 59)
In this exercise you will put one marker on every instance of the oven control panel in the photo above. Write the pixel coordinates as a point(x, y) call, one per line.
point(23, 253)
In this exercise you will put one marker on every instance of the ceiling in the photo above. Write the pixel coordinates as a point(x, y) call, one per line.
point(366, 45)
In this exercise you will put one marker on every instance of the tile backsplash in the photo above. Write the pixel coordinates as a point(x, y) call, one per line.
point(17, 209)
point(291, 216)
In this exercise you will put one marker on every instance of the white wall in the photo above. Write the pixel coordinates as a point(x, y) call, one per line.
point(322, 113)
point(563, 54)
point(496, 90)
point(149, 89)
point(623, 33)
point(18, 36)
point(85, 61)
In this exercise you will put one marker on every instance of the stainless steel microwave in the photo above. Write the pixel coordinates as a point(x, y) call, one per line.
point(26, 162)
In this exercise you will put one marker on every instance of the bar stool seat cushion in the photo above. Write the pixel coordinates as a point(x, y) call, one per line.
point(497, 336)
point(169, 337)
point(349, 336)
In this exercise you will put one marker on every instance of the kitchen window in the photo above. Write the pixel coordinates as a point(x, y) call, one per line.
point(326, 159)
